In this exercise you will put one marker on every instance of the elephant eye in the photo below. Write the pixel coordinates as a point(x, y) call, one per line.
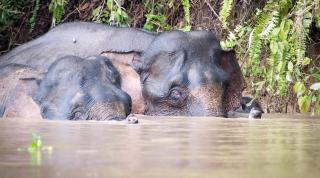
point(177, 96)
point(78, 113)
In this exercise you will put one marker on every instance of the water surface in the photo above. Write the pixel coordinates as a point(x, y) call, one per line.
point(275, 146)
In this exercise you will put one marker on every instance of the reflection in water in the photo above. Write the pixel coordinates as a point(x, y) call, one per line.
point(180, 147)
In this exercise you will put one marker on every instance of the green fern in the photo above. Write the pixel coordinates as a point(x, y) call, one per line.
point(10, 11)
point(235, 37)
point(302, 28)
point(32, 20)
point(225, 12)
point(56, 7)
point(317, 12)
point(270, 25)
point(112, 14)
point(186, 9)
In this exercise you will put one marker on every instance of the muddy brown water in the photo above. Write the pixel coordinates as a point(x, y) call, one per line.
point(275, 146)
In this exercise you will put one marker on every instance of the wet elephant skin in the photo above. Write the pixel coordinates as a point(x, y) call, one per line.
point(189, 74)
point(82, 89)
point(181, 73)
point(73, 88)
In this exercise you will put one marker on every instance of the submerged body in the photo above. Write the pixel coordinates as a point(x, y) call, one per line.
point(82, 89)
point(83, 39)
point(181, 73)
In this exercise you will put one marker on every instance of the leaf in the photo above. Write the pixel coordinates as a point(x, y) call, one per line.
point(290, 66)
point(306, 61)
point(110, 4)
point(304, 103)
point(317, 105)
point(279, 67)
point(299, 88)
point(36, 143)
point(225, 11)
point(288, 77)
point(315, 86)
point(186, 28)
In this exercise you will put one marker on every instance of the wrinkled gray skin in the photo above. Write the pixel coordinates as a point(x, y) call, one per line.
point(189, 74)
point(181, 73)
point(82, 89)
point(73, 89)
point(80, 39)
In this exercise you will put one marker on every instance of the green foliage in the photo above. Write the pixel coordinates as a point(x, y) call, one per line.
point(10, 11)
point(156, 19)
point(157, 12)
point(271, 41)
point(32, 20)
point(186, 9)
point(236, 37)
point(225, 11)
point(317, 14)
point(113, 14)
point(156, 23)
point(277, 50)
point(56, 7)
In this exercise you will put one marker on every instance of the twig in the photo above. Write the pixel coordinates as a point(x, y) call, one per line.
point(68, 15)
point(101, 9)
point(212, 9)
point(214, 12)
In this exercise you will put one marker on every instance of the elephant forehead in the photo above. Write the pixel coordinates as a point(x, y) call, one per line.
point(176, 40)
point(199, 75)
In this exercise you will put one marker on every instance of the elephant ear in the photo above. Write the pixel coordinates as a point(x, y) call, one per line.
point(236, 84)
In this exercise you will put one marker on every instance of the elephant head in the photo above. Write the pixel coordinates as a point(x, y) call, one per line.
point(82, 89)
point(189, 74)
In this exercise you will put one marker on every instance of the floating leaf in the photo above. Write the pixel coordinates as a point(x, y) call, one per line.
point(36, 143)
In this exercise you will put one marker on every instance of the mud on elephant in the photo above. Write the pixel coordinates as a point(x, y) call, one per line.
point(181, 73)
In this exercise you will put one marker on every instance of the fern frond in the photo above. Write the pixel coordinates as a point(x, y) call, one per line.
point(186, 10)
point(317, 12)
point(273, 22)
point(56, 7)
point(32, 20)
point(225, 11)
point(302, 25)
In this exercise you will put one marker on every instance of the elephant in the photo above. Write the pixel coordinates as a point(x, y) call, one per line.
point(178, 73)
point(84, 39)
point(73, 88)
